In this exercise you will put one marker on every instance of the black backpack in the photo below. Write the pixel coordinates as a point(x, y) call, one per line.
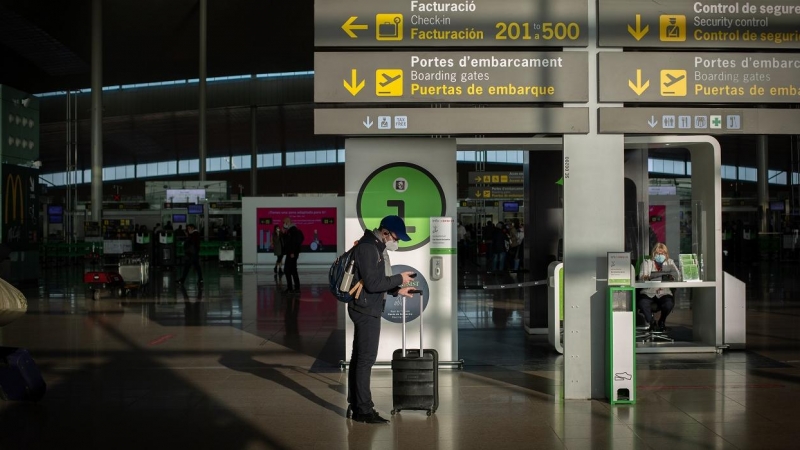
point(341, 275)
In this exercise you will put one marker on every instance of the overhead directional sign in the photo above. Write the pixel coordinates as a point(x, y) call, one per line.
point(700, 77)
point(720, 24)
point(450, 121)
point(496, 178)
point(699, 121)
point(475, 77)
point(472, 23)
point(496, 192)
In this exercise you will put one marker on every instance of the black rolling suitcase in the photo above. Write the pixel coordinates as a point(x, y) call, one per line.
point(20, 378)
point(415, 378)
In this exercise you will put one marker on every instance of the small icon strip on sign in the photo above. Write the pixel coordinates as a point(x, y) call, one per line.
point(687, 122)
point(387, 122)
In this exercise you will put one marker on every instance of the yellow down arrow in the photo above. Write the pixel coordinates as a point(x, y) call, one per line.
point(639, 88)
point(354, 86)
point(348, 27)
point(639, 32)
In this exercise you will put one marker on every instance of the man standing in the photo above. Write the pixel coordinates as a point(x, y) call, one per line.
point(292, 241)
point(191, 251)
point(462, 244)
point(375, 271)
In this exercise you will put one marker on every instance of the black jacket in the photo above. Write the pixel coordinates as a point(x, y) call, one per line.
point(191, 246)
point(372, 271)
point(291, 241)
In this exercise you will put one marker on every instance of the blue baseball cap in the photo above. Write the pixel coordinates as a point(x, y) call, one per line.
point(396, 225)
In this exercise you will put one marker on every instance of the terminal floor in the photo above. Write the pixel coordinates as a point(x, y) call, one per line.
point(238, 365)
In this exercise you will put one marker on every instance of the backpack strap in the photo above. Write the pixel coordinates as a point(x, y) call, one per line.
point(355, 291)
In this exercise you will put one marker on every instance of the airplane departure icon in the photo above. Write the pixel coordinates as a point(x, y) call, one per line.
point(387, 79)
point(389, 82)
point(673, 83)
point(672, 80)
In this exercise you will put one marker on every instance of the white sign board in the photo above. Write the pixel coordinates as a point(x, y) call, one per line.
point(619, 269)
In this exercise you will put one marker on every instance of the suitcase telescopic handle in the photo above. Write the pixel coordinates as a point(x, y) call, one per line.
point(412, 292)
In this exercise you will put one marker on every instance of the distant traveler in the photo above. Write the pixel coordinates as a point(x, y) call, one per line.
point(191, 250)
point(277, 248)
point(292, 241)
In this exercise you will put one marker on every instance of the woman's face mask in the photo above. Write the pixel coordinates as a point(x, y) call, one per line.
point(660, 259)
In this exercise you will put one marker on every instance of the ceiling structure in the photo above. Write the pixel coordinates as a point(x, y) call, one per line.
point(46, 45)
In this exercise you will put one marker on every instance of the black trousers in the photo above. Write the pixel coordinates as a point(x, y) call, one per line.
point(190, 262)
point(366, 337)
point(290, 270)
point(665, 305)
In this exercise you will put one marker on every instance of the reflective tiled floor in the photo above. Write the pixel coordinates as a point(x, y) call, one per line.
point(237, 365)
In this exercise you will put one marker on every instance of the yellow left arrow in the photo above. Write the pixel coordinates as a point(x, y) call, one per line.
point(639, 88)
point(349, 26)
point(354, 86)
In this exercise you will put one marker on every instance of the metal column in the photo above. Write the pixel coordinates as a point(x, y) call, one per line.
point(253, 153)
point(594, 192)
point(762, 148)
point(203, 151)
point(97, 110)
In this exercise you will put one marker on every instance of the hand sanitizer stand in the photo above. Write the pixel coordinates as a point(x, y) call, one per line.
point(621, 342)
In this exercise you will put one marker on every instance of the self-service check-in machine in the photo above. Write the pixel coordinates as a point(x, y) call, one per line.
point(621, 339)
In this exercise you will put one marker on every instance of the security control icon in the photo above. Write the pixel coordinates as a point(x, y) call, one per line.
point(673, 28)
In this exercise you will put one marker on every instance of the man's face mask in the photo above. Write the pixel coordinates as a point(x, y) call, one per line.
point(391, 244)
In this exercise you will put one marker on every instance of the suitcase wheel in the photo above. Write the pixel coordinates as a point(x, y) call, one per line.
point(395, 411)
point(95, 295)
point(430, 411)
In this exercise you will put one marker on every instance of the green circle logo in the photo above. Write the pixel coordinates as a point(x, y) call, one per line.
point(406, 190)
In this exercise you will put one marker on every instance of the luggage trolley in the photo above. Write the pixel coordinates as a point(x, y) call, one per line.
point(227, 254)
point(135, 271)
point(99, 281)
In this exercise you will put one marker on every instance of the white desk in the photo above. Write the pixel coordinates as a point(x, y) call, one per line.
point(673, 284)
point(704, 319)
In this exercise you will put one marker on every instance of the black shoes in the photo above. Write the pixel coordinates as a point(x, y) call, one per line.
point(372, 417)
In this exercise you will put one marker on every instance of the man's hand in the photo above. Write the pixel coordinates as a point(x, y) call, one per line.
point(408, 276)
point(405, 292)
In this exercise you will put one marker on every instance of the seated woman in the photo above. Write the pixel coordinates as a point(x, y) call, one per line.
point(660, 267)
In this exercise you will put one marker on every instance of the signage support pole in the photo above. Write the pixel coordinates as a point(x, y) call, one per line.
point(593, 200)
point(762, 150)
